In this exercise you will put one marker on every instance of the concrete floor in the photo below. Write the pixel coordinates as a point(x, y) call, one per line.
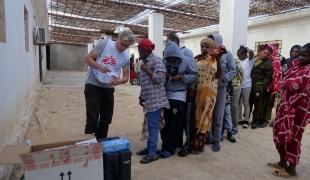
point(61, 108)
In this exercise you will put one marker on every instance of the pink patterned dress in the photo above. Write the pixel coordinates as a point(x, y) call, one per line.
point(294, 112)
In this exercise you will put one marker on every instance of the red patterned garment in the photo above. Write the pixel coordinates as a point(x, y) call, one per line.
point(275, 85)
point(294, 112)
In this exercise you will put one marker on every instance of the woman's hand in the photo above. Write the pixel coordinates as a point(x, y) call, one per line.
point(103, 69)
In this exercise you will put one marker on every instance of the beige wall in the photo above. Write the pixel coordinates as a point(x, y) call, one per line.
point(291, 32)
point(292, 28)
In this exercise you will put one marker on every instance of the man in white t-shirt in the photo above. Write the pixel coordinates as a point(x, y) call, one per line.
point(246, 64)
point(107, 60)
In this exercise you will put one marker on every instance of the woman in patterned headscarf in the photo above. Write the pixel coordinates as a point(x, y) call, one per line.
point(293, 115)
point(209, 70)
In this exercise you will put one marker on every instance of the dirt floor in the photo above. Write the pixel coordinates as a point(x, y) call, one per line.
point(61, 109)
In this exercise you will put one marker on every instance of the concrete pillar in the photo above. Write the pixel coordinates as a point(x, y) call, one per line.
point(233, 26)
point(156, 31)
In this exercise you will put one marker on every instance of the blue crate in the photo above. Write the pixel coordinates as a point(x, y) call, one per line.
point(115, 144)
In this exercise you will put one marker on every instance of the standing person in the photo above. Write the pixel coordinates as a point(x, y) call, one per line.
point(246, 84)
point(153, 77)
point(229, 73)
point(294, 52)
point(209, 71)
point(188, 126)
point(179, 75)
point(274, 86)
point(293, 115)
point(138, 69)
point(252, 59)
point(261, 75)
point(235, 100)
point(106, 61)
point(227, 121)
point(133, 74)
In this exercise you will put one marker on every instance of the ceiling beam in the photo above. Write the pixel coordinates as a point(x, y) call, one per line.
point(105, 21)
point(77, 35)
point(74, 28)
point(162, 9)
point(67, 42)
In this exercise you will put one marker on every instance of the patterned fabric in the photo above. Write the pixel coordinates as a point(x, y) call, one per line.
point(205, 100)
point(261, 74)
point(152, 88)
point(205, 93)
point(275, 85)
point(294, 112)
point(257, 62)
point(236, 82)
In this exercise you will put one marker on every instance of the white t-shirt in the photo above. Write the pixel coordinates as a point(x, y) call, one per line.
point(110, 57)
point(246, 68)
point(178, 95)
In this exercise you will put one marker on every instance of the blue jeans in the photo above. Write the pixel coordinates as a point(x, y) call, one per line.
point(218, 115)
point(227, 121)
point(153, 127)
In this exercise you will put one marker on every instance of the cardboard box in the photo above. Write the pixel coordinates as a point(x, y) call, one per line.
point(56, 158)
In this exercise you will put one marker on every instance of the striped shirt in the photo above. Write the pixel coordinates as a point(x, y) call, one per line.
point(152, 88)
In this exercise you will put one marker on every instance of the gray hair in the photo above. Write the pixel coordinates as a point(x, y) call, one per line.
point(127, 35)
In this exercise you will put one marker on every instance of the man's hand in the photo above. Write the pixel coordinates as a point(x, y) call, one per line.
point(142, 66)
point(115, 81)
point(146, 69)
point(103, 69)
point(251, 54)
point(175, 78)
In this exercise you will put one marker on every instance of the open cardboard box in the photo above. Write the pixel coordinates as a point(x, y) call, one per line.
point(45, 160)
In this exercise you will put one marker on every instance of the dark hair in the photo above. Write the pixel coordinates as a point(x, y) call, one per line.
point(173, 37)
point(266, 46)
point(307, 46)
point(295, 47)
point(283, 59)
point(242, 50)
point(211, 36)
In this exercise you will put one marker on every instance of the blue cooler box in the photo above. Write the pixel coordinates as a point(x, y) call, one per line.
point(115, 144)
point(116, 159)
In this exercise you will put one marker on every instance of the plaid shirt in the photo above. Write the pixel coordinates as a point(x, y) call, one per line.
point(152, 89)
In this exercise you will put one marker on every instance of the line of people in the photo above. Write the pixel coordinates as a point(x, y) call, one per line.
point(206, 96)
point(195, 88)
point(200, 96)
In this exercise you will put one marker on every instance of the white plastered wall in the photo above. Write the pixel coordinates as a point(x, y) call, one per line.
point(19, 71)
point(291, 27)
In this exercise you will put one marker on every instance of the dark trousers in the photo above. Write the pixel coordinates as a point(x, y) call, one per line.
point(260, 107)
point(99, 110)
point(174, 118)
point(189, 125)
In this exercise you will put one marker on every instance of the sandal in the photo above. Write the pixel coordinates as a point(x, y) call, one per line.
point(148, 159)
point(164, 154)
point(142, 152)
point(275, 165)
point(283, 173)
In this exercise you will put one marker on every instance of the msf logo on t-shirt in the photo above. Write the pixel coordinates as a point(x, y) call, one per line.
point(109, 60)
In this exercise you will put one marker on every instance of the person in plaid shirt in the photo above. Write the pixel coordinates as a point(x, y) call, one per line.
point(152, 79)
